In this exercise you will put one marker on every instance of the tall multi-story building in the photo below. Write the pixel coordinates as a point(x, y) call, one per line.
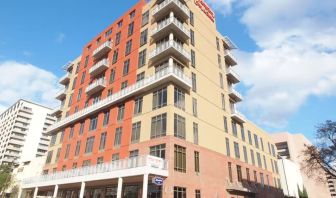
point(290, 151)
point(23, 132)
point(152, 113)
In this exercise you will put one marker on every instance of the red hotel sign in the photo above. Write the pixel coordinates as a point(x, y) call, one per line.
point(206, 9)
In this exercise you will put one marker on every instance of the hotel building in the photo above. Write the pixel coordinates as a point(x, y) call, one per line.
point(149, 110)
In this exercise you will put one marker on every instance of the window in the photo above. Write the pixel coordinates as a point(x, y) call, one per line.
point(53, 140)
point(236, 149)
point(124, 85)
point(100, 160)
point(223, 101)
point(179, 158)
point(219, 61)
point(109, 92)
point(221, 81)
point(262, 144)
point(77, 67)
point(195, 132)
point(79, 94)
point(158, 126)
point(265, 164)
point(112, 76)
point(136, 128)
point(276, 167)
point(81, 128)
point(180, 192)
point(248, 175)
point(134, 153)
point(117, 136)
point(234, 128)
point(132, 14)
point(102, 141)
point(49, 156)
point(118, 38)
point(126, 67)
point(160, 98)
point(249, 137)
point(62, 136)
point(83, 77)
point(197, 193)
point(108, 32)
point(193, 58)
point(252, 157)
point(89, 144)
point(120, 23)
point(242, 132)
point(128, 47)
point(71, 133)
point(179, 98)
point(158, 151)
point(143, 37)
point(67, 150)
point(217, 43)
point(138, 106)
point(262, 179)
point(140, 76)
point(96, 99)
point(192, 37)
point(179, 126)
point(93, 123)
point(193, 79)
point(192, 20)
point(121, 112)
point(269, 148)
point(106, 118)
point(130, 29)
point(259, 160)
point(70, 100)
point(273, 150)
point(239, 174)
point(142, 58)
point(197, 161)
point(227, 144)
point(145, 18)
point(115, 157)
point(86, 163)
point(194, 107)
point(256, 141)
point(58, 154)
point(255, 176)
point(225, 124)
point(86, 62)
point(77, 149)
point(245, 154)
point(230, 171)
point(115, 56)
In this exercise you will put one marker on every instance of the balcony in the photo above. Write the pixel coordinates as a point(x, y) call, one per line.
point(235, 95)
point(170, 25)
point(56, 111)
point(102, 49)
point(229, 58)
point(169, 74)
point(236, 115)
point(167, 6)
point(16, 142)
point(19, 137)
point(232, 76)
point(170, 48)
point(11, 147)
point(19, 130)
point(96, 86)
point(99, 67)
point(128, 167)
point(61, 95)
point(65, 79)
point(20, 125)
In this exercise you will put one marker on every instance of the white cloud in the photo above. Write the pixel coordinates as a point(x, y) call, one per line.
point(222, 6)
point(60, 37)
point(26, 81)
point(296, 59)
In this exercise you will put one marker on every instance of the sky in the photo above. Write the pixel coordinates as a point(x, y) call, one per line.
point(286, 53)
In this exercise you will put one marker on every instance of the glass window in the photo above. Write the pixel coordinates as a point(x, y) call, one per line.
point(193, 58)
point(115, 157)
point(234, 128)
point(102, 141)
point(78, 144)
point(71, 133)
point(245, 154)
point(138, 105)
point(121, 112)
point(249, 137)
point(115, 56)
point(256, 141)
point(67, 150)
point(86, 163)
point(219, 61)
point(195, 132)
point(134, 153)
point(236, 149)
point(197, 161)
point(179, 98)
point(93, 123)
point(49, 156)
point(118, 38)
point(106, 118)
point(259, 160)
point(179, 158)
point(145, 18)
point(136, 128)
point(225, 124)
point(79, 94)
point(112, 76)
point(126, 67)
point(117, 137)
point(81, 128)
point(124, 85)
point(159, 125)
point(128, 47)
point(239, 174)
point(142, 58)
point(194, 107)
point(100, 160)
point(197, 193)
point(230, 171)
point(143, 37)
point(89, 144)
point(83, 77)
point(192, 20)
point(179, 126)
point(180, 192)
point(132, 14)
point(252, 157)
point(140, 76)
point(193, 80)
point(192, 37)
point(130, 29)
point(160, 98)
point(158, 151)
point(242, 132)
point(223, 101)
point(227, 143)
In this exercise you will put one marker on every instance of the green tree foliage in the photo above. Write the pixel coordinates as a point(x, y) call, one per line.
point(5, 177)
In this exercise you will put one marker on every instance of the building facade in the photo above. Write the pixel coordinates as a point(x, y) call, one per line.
point(152, 113)
point(23, 132)
point(290, 147)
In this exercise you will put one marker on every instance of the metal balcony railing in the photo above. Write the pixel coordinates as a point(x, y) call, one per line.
point(165, 5)
point(175, 24)
point(161, 49)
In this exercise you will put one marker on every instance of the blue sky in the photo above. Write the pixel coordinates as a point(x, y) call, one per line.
point(286, 53)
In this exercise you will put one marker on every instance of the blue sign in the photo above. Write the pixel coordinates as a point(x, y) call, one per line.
point(157, 181)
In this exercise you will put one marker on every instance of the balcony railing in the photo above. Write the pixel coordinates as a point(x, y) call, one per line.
point(230, 58)
point(166, 6)
point(171, 24)
point(65, 79)
point(61, 95)
point(146, 161)
point(102, 49)
point(99, 67)
point(232, 76)
point(168, 74)
point(56, 111)
point(236, 115)
point(170, 48)
point(235, 95)
point(96, 86)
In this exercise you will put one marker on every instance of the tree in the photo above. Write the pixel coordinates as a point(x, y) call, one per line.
point(303, 193)
point(5, 177)
point(321, 156)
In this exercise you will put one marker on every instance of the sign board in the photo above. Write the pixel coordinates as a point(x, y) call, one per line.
point(206, 9)
point(157, 181)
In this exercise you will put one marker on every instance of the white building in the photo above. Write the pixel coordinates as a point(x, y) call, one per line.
point(291, 178)
point(23, 132)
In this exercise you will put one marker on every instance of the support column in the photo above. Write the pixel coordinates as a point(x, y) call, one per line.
point(120, 181)
point(171, 37)
point(35, 192)
point(145, 186)
point(81, 193)
point(171, 62)
point(20, 192)
point(55, 191)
